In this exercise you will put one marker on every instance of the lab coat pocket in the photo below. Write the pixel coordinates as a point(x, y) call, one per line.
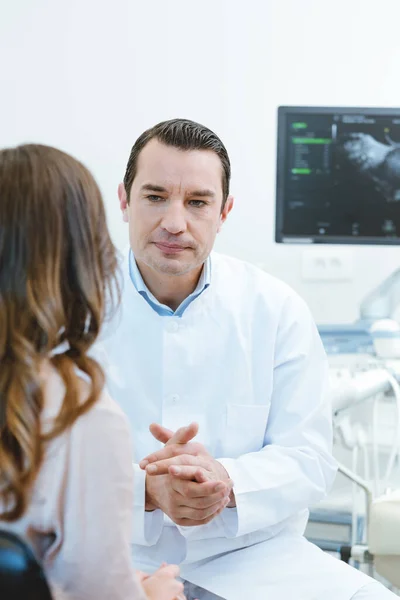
point(245, 429)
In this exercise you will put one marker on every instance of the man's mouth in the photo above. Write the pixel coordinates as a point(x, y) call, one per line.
point(167, 248)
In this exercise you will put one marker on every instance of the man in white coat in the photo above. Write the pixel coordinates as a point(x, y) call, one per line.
point(225, 366)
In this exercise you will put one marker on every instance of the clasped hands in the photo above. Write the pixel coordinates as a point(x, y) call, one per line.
point(184, 480)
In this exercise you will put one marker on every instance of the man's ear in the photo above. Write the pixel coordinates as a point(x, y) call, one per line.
point(123, 202)
point(225, 211)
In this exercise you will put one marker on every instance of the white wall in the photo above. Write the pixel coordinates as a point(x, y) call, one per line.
point(90, 75)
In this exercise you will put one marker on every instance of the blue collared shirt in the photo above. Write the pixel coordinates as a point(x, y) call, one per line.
point(162, 309)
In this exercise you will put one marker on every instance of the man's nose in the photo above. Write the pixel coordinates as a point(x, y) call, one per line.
point(174, 219)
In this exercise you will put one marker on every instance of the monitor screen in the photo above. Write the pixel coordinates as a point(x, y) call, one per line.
point(338, 175)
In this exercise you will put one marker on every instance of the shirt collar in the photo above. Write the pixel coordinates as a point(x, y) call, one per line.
point(141, 287)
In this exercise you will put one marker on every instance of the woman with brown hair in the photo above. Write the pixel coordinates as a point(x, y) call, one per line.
point(65, 451)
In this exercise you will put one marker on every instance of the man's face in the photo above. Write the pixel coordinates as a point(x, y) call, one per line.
point(174, 209)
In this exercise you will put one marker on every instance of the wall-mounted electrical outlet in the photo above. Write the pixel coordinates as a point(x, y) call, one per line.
point(327, 264)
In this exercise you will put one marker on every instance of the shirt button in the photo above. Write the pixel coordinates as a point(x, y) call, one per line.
point(172, 327)
point(175, 398)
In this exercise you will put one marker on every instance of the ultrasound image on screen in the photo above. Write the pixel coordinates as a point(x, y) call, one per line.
point(339, 176)
point(368, 159)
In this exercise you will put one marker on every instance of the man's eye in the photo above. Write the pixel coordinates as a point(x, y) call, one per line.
point(198, 203)
point(153, 198)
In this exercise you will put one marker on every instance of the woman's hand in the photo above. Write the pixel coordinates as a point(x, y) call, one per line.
point(162, 585)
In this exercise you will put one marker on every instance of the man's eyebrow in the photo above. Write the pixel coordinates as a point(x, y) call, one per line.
point(199, 193)
point(151, 187)
point(202, 193)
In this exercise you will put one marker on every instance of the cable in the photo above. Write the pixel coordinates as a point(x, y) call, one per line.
point(381, 486)
point(364, 448)
point(354, 494)
point(396, 440)
point(375, 449)
point(362, 440)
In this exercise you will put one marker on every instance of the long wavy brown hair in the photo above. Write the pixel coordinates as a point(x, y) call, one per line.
point(58, 276)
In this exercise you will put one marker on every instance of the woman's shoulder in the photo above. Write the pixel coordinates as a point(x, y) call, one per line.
point(54, 394)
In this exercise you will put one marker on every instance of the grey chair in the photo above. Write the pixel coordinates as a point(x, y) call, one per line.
point(21, 576)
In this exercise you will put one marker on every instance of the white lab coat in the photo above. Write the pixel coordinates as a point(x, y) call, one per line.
point(245, 361)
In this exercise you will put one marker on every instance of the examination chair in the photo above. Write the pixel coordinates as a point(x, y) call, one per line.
point(384, 536)
point(381, 552)
point(21, 576)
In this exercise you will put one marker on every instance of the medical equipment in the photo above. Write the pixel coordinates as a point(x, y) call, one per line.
point(375, 532)
point(360, 387)
point(386, 337)
point(333, 530)
point(382, 302)
point(347, 339)
point(382, 550)
point(338, 182)
point(384, 536)
point(338, 175)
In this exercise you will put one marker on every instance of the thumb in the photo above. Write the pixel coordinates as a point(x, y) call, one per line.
point(168, 570)
point(142, 576)
point(184, 434)
point(162, 434)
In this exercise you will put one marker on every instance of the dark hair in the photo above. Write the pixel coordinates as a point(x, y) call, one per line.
point(185, 135)
point(58, 269)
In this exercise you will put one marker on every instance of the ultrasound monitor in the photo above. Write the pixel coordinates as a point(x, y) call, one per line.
point(338, 175)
